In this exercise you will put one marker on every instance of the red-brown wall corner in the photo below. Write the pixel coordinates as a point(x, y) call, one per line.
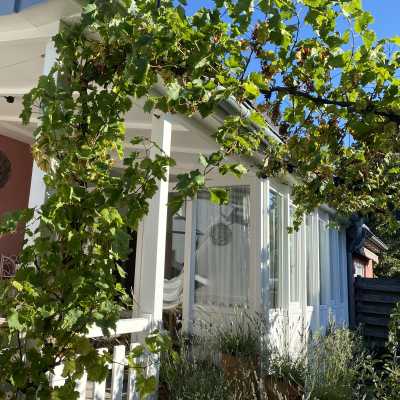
point(15, 194)
point(369, 269)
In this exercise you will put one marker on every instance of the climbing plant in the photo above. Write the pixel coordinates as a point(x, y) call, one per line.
point(330, 90)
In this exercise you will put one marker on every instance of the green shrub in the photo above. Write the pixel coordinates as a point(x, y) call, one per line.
point(240, 336)
point(387, 379)
point(335, 364)
point(184, 376)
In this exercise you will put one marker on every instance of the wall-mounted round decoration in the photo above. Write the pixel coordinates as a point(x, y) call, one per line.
point(221, 234)
point(5, 169)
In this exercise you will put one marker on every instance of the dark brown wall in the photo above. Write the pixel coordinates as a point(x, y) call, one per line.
point(15, 194)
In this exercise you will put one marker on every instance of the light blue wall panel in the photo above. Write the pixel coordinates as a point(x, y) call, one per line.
point(21, 4)
point(7, 7)
point(10, 6)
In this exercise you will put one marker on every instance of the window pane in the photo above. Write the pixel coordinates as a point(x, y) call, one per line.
point(174, 257)
point(275, 225)
point(175, 242)
point(358, 267)
point(332, 263)
point(323, 262)
point(343, 264)
point(294, 261)
point(222, 249)
point(309, 259)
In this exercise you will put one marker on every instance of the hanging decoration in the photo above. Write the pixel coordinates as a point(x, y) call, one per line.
point(5, 169)
point(221, 234)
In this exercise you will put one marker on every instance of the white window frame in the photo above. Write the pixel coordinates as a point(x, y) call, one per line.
point(296, 306)
point(324, 267)
point(274, 186)
point(312, 303)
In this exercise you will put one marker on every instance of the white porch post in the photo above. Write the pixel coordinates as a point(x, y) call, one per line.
point(37, 194)
point(257, 272)
point(150, 258)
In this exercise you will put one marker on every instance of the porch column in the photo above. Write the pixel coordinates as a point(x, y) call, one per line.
point(150, 260)
point(257, 279)
point(37, 195)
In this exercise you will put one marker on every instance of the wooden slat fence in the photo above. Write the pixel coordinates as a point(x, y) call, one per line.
point(375, 299)
point(120, 384)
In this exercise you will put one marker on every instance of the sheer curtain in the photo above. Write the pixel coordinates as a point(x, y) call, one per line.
point(222, 249)
point(309, 259)
point(324, 262)
point(295, 239)
point(275, 246)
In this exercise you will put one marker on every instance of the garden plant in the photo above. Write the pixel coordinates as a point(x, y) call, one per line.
point(314, 66)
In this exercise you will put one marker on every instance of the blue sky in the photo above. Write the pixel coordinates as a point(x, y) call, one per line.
point(386, 14)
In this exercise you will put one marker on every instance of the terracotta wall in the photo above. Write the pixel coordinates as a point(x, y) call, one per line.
point(15, 194)
point(369, 269)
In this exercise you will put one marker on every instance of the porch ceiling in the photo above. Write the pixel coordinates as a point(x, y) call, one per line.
point(36, 20)
point(186, 144)
point(20, 65)
point(23, 40)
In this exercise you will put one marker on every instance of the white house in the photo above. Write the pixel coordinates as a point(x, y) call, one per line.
point(213, 258)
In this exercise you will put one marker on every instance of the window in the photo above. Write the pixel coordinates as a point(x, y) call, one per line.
point(324, 267)
point(294, 261)
point(336, 270)
point(309, 259)
point(275, 245)
point(358, 267)
point(174, 257)
point(333, 270)
point(222, 249)
point(175, 242)
point(343, 264)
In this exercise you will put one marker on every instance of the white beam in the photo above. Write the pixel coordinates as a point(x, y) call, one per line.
point(150, 260)
point(149, 126)
point(17, 132)
point(194, 126)
point(15, 92)
point(16, 118)
point(174, 149)
point(46, 31)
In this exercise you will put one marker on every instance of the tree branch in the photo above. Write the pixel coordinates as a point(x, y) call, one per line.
point(351, 106)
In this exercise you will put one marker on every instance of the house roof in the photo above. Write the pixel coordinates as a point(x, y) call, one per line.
point(373, 242)
point(15, 6)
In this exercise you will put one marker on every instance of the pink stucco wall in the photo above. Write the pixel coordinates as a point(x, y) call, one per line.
point(15, 194)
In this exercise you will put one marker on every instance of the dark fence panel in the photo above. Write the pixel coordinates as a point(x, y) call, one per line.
point(374, 302)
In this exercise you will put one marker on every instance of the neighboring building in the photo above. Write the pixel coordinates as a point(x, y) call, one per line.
point(213, 258)
point(365, 250)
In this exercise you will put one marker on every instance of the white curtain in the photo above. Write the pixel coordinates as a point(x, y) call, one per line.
point(222, 249)
point(173, 292)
